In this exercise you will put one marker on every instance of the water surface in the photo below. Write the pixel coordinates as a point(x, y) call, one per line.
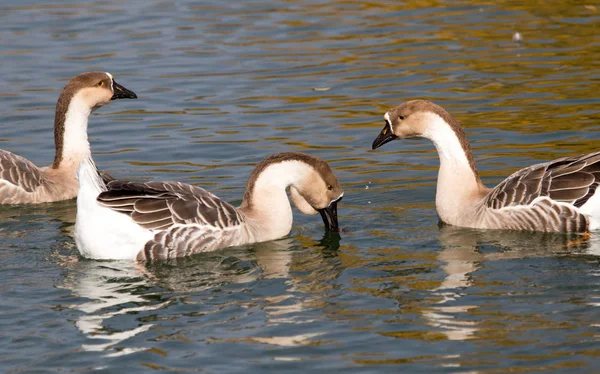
point(221, 85)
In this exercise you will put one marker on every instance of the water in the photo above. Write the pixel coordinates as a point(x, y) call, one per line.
point(223, 84)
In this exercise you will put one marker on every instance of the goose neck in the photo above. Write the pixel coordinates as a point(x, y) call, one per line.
point(266, 202)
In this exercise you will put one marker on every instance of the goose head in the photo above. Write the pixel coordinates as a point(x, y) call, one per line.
point(80, 97)
point(313, 186)
point(424, 119)
point(93, 90)
point(412, 119)
point(319, 191)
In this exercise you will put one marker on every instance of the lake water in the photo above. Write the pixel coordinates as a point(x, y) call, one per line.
point(221, 85)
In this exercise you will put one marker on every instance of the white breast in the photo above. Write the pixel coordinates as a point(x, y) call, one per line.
point(102, 233)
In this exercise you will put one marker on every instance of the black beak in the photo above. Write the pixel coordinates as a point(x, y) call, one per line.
point(120, 92)
point(329, 216)
point(385, 136)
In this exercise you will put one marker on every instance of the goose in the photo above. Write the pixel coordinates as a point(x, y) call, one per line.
point(22, 182)
point(554, 196)
point(125, 220)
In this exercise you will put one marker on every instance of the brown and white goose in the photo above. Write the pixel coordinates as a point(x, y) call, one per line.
point(555, 196)
point(162, 220)
point(21, 182)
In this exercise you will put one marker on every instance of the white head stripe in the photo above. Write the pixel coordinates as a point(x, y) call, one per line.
point(338, 198)
point(387, 117)
point(112, 80)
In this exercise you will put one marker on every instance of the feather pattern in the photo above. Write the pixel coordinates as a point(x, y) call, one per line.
point(542, 214)
point(20, 172)
point(186, 219)
point(184, 240)
point(21, 181)
point(571, 180)
point(158, 205)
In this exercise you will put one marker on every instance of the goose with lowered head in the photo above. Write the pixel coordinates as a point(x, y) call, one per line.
point(163, 220)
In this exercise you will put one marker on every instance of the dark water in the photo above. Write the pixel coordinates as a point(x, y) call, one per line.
point(223, 84)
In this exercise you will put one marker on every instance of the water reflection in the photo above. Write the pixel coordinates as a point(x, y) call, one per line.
point(120, 288)
point(463, 253)
point(307, 275)
point(223, 84)
point(112, 288)
point(295, 263)
point(16, 220)
point(458, 263)
point(239, 265)
point(481, 245)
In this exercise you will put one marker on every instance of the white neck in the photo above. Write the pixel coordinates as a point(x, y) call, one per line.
point(75, 140)
point(457, 181)
point(269, 210)
point(77, 148)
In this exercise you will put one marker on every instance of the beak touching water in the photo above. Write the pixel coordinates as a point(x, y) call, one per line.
point(385, 136)
point(120, 92)
point(329, 216)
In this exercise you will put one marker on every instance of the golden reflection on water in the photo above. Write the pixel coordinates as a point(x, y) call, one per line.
point(312, 273)
point(286, 80)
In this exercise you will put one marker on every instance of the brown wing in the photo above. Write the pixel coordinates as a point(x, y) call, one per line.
point(20, 173)
point(106, 178)
point(184, 240)
point(571, 180)
point(160, 205)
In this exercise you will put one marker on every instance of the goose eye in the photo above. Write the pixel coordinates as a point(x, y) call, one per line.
point(400, 118)
point(100, 84)
point(329, 187)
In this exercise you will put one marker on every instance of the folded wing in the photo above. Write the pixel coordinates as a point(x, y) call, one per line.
point(160, 205)
point(186, 218)
point(570, 180)
point(18, 176)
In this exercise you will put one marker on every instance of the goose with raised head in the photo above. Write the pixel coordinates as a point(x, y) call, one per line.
point(21, 182)
point(163, 220)
point(555, 196)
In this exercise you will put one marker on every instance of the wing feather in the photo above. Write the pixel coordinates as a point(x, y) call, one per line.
point(160, 205)
point(571, 180)
point(19, 172)
point(151, 205)
point(184, 240)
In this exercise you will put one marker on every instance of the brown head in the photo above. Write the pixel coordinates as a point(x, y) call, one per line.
point(413, 119)
point(313, 185)
point(88, 91)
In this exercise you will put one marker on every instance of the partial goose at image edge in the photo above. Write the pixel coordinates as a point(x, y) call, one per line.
point(22, 182)
point(554, 196)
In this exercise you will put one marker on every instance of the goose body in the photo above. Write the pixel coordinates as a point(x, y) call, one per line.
point(162, 220)
point(554, 196)
point(22, 182)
